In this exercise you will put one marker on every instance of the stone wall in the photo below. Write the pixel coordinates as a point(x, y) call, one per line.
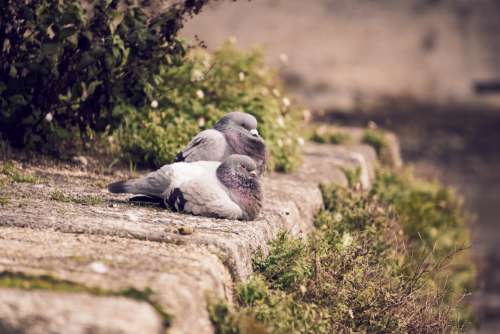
point(84, 250)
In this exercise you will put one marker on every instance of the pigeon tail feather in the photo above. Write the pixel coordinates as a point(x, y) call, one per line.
point(120, 187)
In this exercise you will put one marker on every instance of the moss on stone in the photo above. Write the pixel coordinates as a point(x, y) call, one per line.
point(376, 138)
point(58, 195)
point(323, 134)
point(16, 280)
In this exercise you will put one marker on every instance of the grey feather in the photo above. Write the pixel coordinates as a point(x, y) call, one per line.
point(208, 145)
point(153, 184)
point(229, 189)
point(235, 133)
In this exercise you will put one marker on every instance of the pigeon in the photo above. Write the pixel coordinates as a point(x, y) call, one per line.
point(228, 189)
point(235, 133)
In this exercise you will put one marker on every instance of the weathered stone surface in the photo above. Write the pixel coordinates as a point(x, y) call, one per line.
point(38, 312)
point(102, 240)
point(181, 277)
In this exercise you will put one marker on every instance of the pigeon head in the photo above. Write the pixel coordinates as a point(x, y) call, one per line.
point(238, 121)
point(240, 130)
point(239, 174)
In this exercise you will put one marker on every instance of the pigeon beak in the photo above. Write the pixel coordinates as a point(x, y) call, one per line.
point(253, 173)
point(254, 132)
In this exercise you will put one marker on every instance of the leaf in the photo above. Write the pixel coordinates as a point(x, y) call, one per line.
point(117, 19)
point(17, 100)
point(50, 32)
point(12, 71)
point(92, 87)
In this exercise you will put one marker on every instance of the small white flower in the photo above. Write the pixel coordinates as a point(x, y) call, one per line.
point(280, 143)
point(284, 58)
point(286, 102)
point(98, 267)
point(301, 141)
point(281, 121)
point(276, 92)
point(49, 117)
point(346, 240)
point(241, 76)
point(200, 94)
point(201, 122)
point(154, 104)
point(264, 91)
point(196, 75)
point(337, 217)
point(303, 289)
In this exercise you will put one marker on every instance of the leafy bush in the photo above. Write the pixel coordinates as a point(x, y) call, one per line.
point(71, 71)
point(64, 68)
point(193, 96)
point(358, 272)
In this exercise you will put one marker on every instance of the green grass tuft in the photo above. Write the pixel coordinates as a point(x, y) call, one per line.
point(377, 139)
point(353, 176)
point(13, 174)
point(59, 196)
point(4, 200)
point(324, 135)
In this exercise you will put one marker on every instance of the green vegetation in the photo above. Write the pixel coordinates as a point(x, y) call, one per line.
point(117, 79)
point(434, 222)
point(376, 139)
point(13, 174)
point(65, 67)
point(324, 135)
point(50, 283)
point(4, 200)
point(193, 96)
point(353, 176)
point(364, 269)
point(59, 196)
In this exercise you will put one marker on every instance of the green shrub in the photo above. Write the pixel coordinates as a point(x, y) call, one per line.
point(434, 222)
point(323, 134)
point(71, 76)
point(194, 95)
point(64, 68)
point(376, 138)
point(357, 273)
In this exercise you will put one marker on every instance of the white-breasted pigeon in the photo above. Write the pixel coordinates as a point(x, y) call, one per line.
point(235, 133)
point(228, 189)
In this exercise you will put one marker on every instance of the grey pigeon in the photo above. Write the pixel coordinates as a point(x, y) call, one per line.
point(228, 189)
point(235, 133)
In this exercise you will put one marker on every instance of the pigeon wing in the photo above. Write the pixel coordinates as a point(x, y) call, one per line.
point(209, 145)
point(206, 197)
point(153, 184)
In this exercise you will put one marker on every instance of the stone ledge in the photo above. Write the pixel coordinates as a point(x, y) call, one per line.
point(43, 236)
point(40, 312)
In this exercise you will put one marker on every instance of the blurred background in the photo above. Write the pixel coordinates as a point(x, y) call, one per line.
point(429, 70)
